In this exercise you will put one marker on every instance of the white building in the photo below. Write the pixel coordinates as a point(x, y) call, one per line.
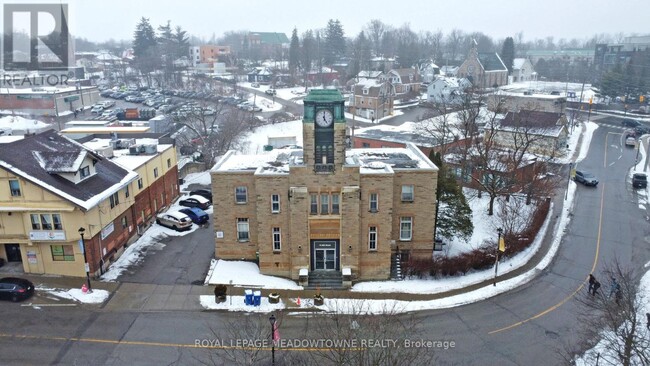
point(195, 55)
point(522, 70)
point(447, 90)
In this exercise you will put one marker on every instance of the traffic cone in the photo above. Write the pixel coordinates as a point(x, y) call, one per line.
point(84, 288)
point(298, 302)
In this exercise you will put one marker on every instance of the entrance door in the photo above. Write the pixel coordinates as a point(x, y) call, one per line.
point(13, 253)
point(325, 255)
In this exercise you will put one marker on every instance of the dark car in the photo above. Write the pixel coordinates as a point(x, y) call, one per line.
point(641, 130)
point(197, 215)
point(15, 289)
point(195, 201)
point(585, 178)
point(639, 180)
point(628, 122)
point(203, 193)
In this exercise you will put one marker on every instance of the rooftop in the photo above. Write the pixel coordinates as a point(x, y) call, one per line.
point(122, 156)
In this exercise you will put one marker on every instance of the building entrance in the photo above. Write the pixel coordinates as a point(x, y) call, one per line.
point(325, 255)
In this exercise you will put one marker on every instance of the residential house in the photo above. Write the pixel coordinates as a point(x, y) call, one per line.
point(372, 99)
point(325, 209)
point(405, 81)
point(325, 76)
point(522, 70)
point(447, 90)
point(60, 186)
point(484, 69)
point(450, 71)
point(260, 75)
point(428, 71)
point(545, 133)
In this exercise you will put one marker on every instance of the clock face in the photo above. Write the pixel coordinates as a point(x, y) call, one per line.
point(324, 118)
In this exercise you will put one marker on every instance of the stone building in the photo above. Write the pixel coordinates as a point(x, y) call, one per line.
point(324, 208)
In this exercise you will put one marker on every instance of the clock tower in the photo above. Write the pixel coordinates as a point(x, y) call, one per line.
point(324, 130)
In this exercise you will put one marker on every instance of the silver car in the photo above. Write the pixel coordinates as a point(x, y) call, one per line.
point(174, 220)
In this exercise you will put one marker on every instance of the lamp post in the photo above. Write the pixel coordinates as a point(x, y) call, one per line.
point(568, 181)
point(83, 246)
point(496, 263)
point(272, 321)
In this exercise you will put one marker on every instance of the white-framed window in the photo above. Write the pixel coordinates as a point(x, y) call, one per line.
point(277, 239)
point(242, 229)
point(313, 205)
point(335, 203)
point(275, 203)
point(46, 221)
point(374, 202)
point(14, 187)
point(372, 238)
point(324, 203)
point(405, 228)
point(241, 194)
point(155, 172)
point(85, 171)
point(115, 199)
point(407, 193)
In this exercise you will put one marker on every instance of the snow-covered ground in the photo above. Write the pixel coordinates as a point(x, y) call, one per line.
point(245, 274)
point(207, 301)
point(368, 120)
point(98, 296)
point(254, 142)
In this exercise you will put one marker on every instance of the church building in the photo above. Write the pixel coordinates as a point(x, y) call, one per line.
point(325, 210)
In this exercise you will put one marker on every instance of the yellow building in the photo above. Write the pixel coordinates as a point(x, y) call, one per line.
point(51, 186)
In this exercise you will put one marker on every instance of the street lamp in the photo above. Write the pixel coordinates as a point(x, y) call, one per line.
point(272, 321)
point(83, 247)
point(496, 263)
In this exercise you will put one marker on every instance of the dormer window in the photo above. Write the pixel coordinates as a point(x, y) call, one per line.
point(84, 172)
point(365, 91)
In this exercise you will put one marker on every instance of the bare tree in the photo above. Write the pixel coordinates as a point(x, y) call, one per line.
point(453, 43)
point(613, 320)
point(375, 30)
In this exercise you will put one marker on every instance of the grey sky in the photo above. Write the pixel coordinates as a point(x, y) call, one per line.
point(100, 20)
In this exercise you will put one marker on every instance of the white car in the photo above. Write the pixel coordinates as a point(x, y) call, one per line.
point(174, 220)
point(97, 109)
point(630, 141)
point(107, 103)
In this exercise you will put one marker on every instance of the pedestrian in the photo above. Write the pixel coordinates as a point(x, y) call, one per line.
point(613, 288)
point(373, 119)
point(75, 113)
point(596, 287)
point(592, 280)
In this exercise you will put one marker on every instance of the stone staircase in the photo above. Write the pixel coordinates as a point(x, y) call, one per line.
point(325, 279)
point(396, 267)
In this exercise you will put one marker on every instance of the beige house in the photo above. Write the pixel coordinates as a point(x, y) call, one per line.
point(58, 186)
point(372, 99)
point(483, 69)
point(405, 80)
point(545, 133)
point(325, 211)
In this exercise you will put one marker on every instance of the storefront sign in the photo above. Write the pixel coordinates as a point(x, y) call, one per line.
point(107, 230)
point(31, 257)
point(46, 235)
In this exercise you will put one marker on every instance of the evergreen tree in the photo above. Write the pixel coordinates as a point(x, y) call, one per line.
point(454, 217)
point(144, 38)
point(508, 53)
point(294, 52)
point(307, 51)
point(334, 41)
point(182, 42)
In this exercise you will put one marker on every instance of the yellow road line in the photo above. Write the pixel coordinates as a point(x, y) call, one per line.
point(593, 268)
point(162, 344)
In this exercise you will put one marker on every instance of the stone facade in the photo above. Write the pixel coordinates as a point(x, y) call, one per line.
point(281, 198)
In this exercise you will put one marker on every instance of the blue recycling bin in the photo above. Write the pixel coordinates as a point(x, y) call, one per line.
point(248, 297)
point(257, 298)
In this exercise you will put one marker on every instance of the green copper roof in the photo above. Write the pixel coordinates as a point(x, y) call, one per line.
point(324, 95)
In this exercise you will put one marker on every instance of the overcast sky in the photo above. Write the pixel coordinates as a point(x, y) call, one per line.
point(100, 20)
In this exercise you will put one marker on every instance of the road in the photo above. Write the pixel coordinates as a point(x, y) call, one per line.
point(525, 326)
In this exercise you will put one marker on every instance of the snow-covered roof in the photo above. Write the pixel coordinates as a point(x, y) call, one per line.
point(60, 161)
point(370, 161)
point(122, 156)
point(371, 74)
point(20, 123)
point(518, 63)
point(108, 179)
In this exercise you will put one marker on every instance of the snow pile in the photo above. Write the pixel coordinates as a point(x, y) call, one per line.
point(246, 274)
point(95, 297)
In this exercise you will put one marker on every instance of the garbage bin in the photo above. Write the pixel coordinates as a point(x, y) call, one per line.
point(257, 298)
point(248, 297)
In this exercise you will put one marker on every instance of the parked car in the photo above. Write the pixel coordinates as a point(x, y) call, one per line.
point(174, 220)
point(197, 215)
point(630, 141)
point(270, 91)
point(641, 130)
point(107, 103)
point(628, 122)
point(639, 180)
point(15, 289)
point(97, 109)
point(205, 193)
point(195, 201)
point(253, 108)
point(585, 178)
point(255, 85)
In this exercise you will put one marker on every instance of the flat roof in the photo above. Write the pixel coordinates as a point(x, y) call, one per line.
point(122, 156)
point(104, 129)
